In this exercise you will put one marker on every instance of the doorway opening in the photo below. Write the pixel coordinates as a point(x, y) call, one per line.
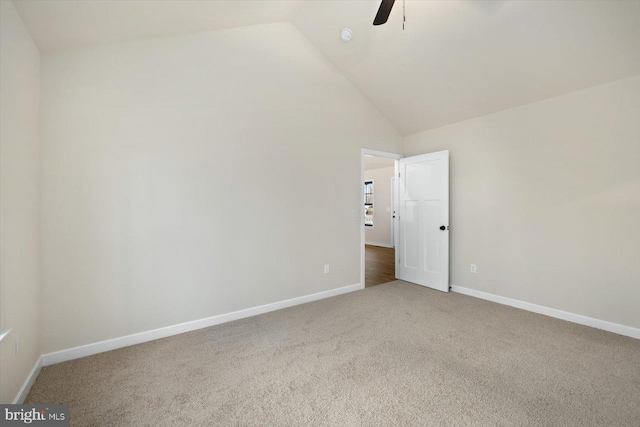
point(379, 170)
point(407, 228)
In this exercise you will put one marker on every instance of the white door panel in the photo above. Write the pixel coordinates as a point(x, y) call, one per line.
point(423, 207)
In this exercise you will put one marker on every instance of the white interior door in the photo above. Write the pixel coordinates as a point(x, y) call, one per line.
point(423, 208)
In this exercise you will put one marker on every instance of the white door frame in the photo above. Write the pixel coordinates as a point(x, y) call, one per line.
point(376, 153)
point(392, 216)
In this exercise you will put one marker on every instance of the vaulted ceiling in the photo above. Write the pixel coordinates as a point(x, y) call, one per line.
point(69, 24)
point(454, 60)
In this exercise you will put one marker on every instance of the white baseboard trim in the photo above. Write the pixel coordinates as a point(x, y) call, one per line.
point(141, 337)
point(383, 245)
point(26, 387)
point(552, 312)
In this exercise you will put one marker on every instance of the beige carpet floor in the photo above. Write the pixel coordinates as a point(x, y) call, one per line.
point(394, 354)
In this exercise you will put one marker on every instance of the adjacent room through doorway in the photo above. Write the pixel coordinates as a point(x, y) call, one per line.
point(379, 178)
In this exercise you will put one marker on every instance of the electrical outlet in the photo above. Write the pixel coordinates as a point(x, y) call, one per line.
point(18, 346)
point(326, 269)
point(473, 268)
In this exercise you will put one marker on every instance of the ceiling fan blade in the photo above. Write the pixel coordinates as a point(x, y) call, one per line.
point(383, 12)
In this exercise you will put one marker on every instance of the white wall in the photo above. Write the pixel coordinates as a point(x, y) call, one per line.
point(19, 201)
point(190, 176)
point(380, 233)
point(545, 199)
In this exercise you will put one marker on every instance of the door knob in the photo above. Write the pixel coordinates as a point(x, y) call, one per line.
point(442, 227)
